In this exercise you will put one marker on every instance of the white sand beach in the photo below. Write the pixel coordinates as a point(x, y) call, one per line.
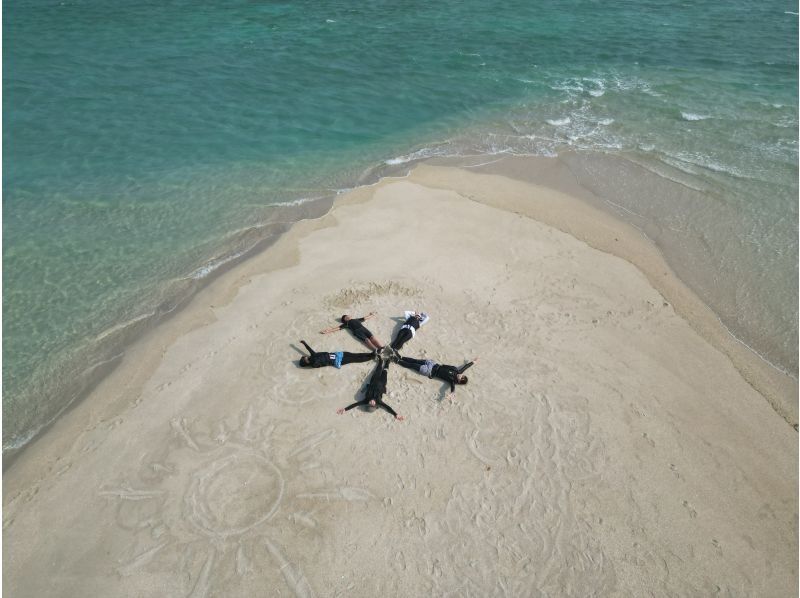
point(613, 440)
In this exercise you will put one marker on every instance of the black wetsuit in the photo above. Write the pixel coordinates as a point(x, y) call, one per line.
point(447, 373)
point(405, 334)
point(320, 359)
point(358, 329)
point(376, 389)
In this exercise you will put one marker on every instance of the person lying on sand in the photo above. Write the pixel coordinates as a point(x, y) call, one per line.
point(375, 390)
point(358, 329)
point(407, 331)
point(431, 369)
point(336, 359)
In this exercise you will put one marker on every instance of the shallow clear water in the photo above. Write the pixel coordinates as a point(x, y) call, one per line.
point(140, 140)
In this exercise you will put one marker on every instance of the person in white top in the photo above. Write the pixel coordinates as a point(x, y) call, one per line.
point(407, 331)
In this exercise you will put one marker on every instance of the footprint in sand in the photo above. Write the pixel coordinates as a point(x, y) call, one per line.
point(674, 469)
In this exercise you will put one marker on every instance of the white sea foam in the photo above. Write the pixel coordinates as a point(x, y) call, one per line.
point(759, 355)
point(123, 325)
point(481, 164)
point(599, 86)
point(693, 116)
point(566, 86)
point(213, 265)
point(605, 121)
point(420, 154)
point(297, 202)
point(17, 442)
point(594, 86)
point(559, 122)
point(685, 161)
point(398, 160)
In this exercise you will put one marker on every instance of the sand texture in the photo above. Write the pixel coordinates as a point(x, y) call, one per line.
point(602, 447)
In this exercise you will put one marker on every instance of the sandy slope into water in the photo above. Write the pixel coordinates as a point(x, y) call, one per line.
point(602, 446)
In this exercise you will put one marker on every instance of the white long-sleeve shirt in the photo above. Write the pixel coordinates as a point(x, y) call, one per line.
point(424, 317)
point(422, 320)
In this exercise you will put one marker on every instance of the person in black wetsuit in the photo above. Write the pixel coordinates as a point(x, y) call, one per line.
point(431, 369)
point(375, 391)
point(407, 331)
point(336, 359)
point(361, 332)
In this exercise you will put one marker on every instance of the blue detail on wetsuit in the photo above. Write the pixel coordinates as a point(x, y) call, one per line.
point(337, 362)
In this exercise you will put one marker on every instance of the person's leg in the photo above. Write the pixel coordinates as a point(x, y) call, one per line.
point(374, 343)
point(365, 336)
point(401, 339)
point(384, 377)
point(410, 363)
point(374, 382)
point(348, 357)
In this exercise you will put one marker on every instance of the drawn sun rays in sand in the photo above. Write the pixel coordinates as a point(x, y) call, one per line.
point(216, 510)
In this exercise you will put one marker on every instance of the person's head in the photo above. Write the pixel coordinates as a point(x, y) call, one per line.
point(373, 403)
point(305, 361)
point(345, 318)
point(461, 379)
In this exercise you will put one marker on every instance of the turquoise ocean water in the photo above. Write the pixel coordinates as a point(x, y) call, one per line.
point(146, 143)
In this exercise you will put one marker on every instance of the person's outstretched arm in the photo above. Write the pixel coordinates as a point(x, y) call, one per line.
point(310, 350)
point(332, 329)
point(368, 316)
point(466, 366)
point(390, 410)
point(341, 410)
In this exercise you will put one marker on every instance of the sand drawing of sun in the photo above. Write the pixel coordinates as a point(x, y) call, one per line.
point(215, 509)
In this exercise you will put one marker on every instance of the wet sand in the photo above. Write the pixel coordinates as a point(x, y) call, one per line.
point(610, 441)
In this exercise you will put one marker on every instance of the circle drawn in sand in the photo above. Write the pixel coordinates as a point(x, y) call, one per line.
point(214, 502)
point(234, 494)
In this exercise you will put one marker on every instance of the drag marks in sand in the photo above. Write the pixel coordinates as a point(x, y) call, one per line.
point(215, 511)
point(360, 293)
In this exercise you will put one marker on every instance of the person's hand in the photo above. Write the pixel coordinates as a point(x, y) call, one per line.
point(475, 360)
point(399, 418)
point(340, 410)
point(451, 396)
